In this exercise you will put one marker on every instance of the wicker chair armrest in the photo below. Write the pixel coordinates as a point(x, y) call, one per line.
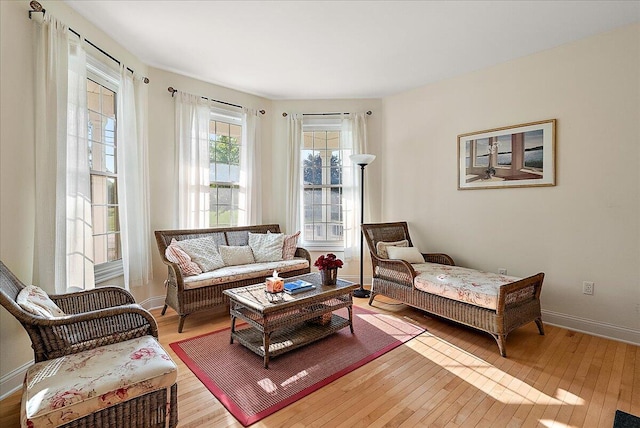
point(439, 258)
point(398, 271)
point(517, 292)
point(94, 299)
point(303, 253)
point(79, 332)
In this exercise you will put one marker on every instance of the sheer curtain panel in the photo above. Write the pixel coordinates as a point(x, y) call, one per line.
point(63, 247)
point(192, 117)
point(133, 191)
point(250, 170)
point(293, 207)
point(354, 135)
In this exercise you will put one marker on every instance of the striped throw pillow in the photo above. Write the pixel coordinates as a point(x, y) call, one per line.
point(289, 246)
point(177, 255)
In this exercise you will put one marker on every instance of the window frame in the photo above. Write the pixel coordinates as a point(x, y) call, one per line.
point(324, 125)
point(101, 74)
point(233, 119)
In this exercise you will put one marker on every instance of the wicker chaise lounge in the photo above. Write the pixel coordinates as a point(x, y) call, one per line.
point(517, 303)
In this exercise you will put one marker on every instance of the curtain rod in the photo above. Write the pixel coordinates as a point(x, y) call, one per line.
point(36, 7)
point(173, 92)
point(285, 114)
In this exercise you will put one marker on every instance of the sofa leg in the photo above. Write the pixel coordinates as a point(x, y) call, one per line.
point(164, 309)
point(502, 344)
point(181, 323)
point(540, 326)
point(371, 297)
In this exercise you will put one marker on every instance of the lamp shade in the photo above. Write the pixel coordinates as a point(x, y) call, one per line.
point(362, 159)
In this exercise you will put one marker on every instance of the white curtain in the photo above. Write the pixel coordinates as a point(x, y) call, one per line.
point(133, 173)
point(63, 247)
point(354, 136)
point(292, 192)
point(192, 117)
point(250, 170)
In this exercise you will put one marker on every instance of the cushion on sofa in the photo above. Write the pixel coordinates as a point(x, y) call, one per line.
point(408, 254)
point(266, 247)
point(463, 284)
point(203, 251)
point(381, 247)
point(36, 301)
point(63, 389)
point(234, 255)
point(175, 254)
point(258, 271)
point(290, 246)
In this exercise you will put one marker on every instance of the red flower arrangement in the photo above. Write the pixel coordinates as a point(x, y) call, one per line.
point(330, 261)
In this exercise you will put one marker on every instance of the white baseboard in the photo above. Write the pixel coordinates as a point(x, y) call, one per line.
point(153, 302)
point(594, 328)
point(12, 381)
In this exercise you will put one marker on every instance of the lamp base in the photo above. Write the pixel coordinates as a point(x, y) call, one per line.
point(361, 292)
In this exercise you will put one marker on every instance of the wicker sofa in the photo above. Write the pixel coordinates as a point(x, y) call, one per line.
point(517, 301)
point(188, 294)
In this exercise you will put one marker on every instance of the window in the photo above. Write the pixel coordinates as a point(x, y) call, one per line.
point(103, 164)
point(322, 159)
point(225, 141)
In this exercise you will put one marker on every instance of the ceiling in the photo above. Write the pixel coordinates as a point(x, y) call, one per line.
point(343, 49)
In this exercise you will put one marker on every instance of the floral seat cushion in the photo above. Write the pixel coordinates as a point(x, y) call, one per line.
point(249, 271)
point(61, 390)
point(457, 283)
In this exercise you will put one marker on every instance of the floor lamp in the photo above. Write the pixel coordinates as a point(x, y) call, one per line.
point(361, 160)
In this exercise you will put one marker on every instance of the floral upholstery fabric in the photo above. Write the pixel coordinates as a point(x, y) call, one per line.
point(457, 283)
point(67, 388)
point(35, 300)
point(238, 273)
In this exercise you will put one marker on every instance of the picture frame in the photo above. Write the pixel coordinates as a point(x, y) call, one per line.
point(512, 156)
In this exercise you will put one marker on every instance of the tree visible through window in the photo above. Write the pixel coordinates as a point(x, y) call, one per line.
point(225, 140)
point(322, 161)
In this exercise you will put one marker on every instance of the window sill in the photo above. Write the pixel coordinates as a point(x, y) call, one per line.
point(107, 271)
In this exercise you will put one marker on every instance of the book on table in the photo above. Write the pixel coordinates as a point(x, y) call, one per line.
point(298, 286)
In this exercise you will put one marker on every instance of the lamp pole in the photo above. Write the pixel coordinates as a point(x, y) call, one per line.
point(361, 292)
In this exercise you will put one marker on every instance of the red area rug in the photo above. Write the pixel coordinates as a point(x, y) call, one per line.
point(237, 378)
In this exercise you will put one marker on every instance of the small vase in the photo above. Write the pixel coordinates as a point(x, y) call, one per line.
point(329, 276)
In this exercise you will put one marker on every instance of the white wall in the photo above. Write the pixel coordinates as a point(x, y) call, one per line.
point(586, 228)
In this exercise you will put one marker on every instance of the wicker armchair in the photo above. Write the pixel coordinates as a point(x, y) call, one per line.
point(94, 318)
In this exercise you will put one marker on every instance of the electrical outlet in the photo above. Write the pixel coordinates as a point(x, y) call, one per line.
point(502, 271)
point(587, 287)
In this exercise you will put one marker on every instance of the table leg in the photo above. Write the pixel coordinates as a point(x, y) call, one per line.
point(266, 339)
point(350, 309)
point(233, 328)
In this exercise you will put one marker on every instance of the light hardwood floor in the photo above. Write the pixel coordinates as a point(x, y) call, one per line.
point(449, 376)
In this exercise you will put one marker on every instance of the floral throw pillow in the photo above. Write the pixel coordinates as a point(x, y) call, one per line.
point(35, 300)
point(175, 254)
point(203, 251)
point(381, 247)
point(266, 247)
point(290, 245)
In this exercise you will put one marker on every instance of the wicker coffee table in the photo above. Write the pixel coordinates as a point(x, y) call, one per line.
point(280, 323)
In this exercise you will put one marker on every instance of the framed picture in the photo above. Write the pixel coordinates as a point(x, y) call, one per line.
point(513, 156)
